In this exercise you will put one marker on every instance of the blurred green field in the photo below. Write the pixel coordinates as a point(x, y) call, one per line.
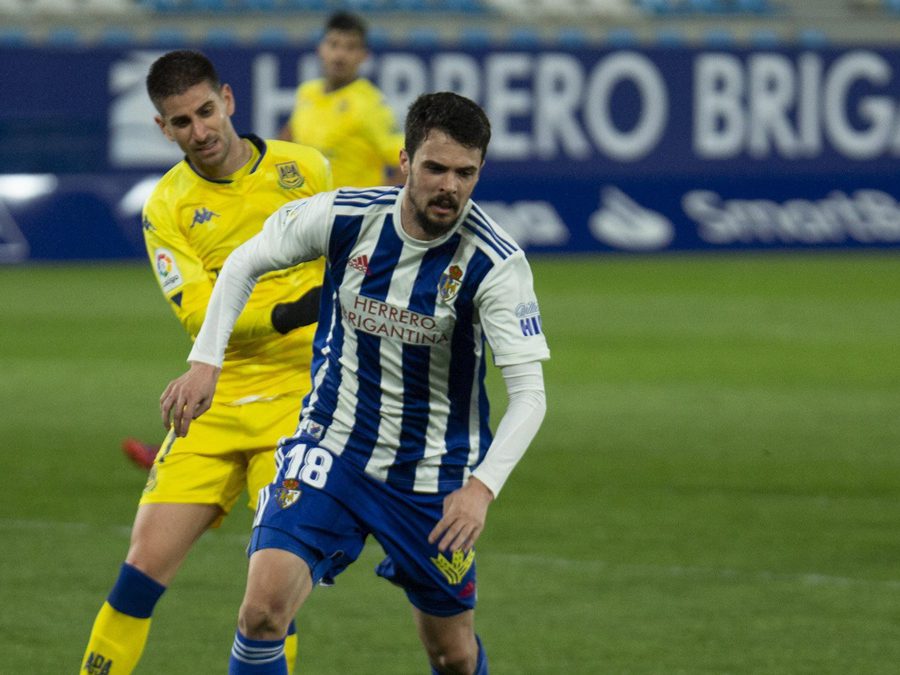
point(716, 487)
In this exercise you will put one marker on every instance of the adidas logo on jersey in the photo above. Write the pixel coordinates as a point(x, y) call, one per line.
point(360, 264)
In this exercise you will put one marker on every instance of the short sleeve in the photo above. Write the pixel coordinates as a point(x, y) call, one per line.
point(510, 315)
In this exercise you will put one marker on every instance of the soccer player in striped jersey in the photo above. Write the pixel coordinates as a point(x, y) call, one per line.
point(394, 439)
point(204, 207)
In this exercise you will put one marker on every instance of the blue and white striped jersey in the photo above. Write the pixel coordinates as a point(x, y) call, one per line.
point(399, 356)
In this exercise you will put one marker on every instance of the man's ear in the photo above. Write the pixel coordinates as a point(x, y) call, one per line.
point(404, 162)
point(163, 127)
point(228, 97)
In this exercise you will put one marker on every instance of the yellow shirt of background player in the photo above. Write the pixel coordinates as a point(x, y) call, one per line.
point(191, 224)
point(354, 128)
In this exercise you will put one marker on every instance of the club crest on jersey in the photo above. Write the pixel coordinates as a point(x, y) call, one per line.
point(167, 269)
point(449, 283)
point(289, 176)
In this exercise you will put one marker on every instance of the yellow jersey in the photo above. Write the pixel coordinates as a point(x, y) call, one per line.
point(352, 126)
point(192, 223)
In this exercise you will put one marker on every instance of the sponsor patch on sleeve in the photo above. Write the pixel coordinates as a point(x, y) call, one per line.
point(529, 317)
point(167, 270)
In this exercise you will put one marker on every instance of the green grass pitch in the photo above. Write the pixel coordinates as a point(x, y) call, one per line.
point(714, 490)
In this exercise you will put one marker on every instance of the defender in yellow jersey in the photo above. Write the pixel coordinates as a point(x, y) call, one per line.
point(345, 116)
point(203, 208)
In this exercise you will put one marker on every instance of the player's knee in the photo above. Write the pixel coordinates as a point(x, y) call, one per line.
point(263, 619)
point(453, 659)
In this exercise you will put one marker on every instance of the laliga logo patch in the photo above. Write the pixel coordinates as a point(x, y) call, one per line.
point(288, 494)
point(449, 283)
point(167, 269)
point(289, 176)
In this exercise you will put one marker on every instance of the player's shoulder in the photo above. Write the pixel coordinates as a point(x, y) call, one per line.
point(488, 236)
point(284, 151)
point(173, 186)
point(366, 90)
point(311, 89)
point(354, 199)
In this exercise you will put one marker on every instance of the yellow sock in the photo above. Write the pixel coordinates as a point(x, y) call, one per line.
point(290, 652)
point(116, 644)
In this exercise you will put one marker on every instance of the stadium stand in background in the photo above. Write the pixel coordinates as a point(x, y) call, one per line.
point(566, 23)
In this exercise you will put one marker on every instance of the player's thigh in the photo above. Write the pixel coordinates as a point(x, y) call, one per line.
point(278, 582)
point(307, 510)
point(436, 583)
point(164, 533)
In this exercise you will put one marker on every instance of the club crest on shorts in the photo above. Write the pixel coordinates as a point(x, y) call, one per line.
point(289, 176)
point(288, 494)
point(449, 283)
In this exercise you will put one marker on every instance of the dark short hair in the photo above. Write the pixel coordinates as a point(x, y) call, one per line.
point(345, 21)
point(459, 117)
point(176, 72)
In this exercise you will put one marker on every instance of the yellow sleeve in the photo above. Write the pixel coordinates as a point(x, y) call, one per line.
point(185, 282)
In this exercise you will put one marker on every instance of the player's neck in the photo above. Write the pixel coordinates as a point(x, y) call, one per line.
point(334, 85)
point(240, 154)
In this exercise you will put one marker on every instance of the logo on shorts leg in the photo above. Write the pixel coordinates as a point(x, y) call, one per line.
point(288, 494)
point(454, 569)
point(97, 664)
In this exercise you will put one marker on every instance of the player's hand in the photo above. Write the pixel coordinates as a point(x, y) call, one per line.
point(465, 511)
point(188, 397)
point(286, 316)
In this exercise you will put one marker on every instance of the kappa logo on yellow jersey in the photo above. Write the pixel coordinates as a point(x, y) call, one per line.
point(289, 176)
point(203, 215)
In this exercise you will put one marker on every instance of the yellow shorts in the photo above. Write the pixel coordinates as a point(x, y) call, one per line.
point(228, 448)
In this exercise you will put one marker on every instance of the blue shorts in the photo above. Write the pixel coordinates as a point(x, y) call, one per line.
point(321, 508)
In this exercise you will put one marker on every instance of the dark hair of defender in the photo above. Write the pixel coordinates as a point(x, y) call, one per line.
point(458, 117)
point(176, 72)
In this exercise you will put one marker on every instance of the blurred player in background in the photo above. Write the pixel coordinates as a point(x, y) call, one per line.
point(347, 119)
point(204, 207)
point(395, 439)
point(344, 115)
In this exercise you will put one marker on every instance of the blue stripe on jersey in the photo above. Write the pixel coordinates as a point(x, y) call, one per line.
point(368, 396)
point(484, 224)
point(344, 233)
point(327, 305)
point(462, 374)
point(382, 261)
point(365, 197)
point(416, 360)
point(376, 284)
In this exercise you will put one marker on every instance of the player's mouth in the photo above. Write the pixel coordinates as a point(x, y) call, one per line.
point(444, 206)
point(207, 149)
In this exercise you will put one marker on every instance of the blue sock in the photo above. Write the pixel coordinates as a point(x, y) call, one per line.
point(481, 665)
point(259, 657)
point(134, 593)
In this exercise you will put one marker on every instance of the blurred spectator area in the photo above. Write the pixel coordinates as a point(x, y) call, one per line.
point(472, 23)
